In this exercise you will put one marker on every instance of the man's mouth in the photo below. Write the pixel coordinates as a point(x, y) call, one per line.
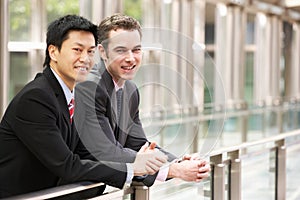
point(82, 69)
point(128, 68)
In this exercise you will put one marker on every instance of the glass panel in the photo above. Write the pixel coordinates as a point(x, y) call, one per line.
point(250, 29)
point(231, 134)
point(286, 53)
point(133, 8)
point(57, 8)
point(292, 170)
point(291, 118)
point(249, 79)
point(258, 176)
point(176, 189)
point(177, 139)
point(210, 24)
point(209, 71)
point(19, 14)
point(255, 127)
point(271, 122)
point(19, 72)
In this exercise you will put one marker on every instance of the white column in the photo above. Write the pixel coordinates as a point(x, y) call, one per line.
point(97, 10)
point(199, 54)
point(38, 35)
point(4, 56)
point(230, 30)
point(294, 76)
point(267, 60)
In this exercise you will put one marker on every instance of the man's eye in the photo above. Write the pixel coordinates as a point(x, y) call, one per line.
point(137, 50)
point(91, 52)
point(120, 50)
point(77, 49)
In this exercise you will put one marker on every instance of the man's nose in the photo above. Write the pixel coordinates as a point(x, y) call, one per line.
point(129, 56)
point(85, 57)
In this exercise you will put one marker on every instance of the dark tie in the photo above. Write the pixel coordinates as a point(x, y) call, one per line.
point(71, 109)
point(119, 95)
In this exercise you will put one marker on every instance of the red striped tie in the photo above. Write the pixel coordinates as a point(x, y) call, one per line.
point(71, 109)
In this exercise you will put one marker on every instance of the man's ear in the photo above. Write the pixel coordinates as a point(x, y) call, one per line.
point(102, 52)
point(53, 52)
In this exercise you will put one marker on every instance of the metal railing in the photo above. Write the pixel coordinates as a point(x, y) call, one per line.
point(222, 184)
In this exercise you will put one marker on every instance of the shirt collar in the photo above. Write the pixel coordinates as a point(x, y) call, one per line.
point(116, 86)
point(67, 92)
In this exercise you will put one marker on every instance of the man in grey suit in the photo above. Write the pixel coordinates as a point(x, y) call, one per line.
point(39, 145)
point(117, 130)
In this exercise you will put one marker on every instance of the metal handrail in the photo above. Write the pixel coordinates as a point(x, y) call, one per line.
point(78, 187)
point(254, 143)
point(57, 191)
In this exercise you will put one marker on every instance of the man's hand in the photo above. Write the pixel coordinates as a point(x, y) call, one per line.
point(194, 156)
point(148, 160)
point(190, 170)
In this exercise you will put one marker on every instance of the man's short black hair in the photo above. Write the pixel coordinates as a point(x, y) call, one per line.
point(58, 31)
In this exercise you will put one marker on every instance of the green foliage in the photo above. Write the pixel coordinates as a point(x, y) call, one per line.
point(19, 14)
point(58, 8)
point(133, 8)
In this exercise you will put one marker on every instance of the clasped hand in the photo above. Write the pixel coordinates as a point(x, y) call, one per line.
point(191, 168)
point(148, 160)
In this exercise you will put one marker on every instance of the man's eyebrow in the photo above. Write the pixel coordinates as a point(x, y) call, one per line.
point(79, 44)
point(123, 47)
point(120, 47)
point(137, 46)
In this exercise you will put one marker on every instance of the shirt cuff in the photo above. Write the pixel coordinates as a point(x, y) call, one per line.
point(163, 173)
point(130, 173)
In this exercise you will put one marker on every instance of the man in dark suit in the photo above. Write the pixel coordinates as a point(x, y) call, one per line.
point(117, 129)
point(39, 145)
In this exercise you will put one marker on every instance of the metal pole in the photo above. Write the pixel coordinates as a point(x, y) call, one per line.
point(141, 192)
point(280, 171)
point(235, 180)
point(4, 56)
point(219, 182)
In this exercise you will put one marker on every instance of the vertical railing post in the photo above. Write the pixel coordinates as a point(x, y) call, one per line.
point(218, 177)
point(140, 191)
point(280, 171)
point(4, 56)
point(235, 176)
point(219, 182)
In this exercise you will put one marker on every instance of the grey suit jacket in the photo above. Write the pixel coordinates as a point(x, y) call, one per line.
point(39, 148)
point(96, 115)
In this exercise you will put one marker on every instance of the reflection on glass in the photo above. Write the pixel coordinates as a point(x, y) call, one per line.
point(58, 8)
point(249, 79)
point(250, 29)
point(19, 14)
point(292, 169)
point(258, 176)
point(176, 189)
point(19, 72)
point(209, 73)
point(210, 24)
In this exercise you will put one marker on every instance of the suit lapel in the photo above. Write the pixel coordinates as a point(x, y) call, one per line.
point(120, 128)
point(59, 94)
point(110, 88)
point(125, 116)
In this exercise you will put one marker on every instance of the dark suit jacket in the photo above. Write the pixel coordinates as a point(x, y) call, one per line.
point(39, 148)
point(96, 115)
